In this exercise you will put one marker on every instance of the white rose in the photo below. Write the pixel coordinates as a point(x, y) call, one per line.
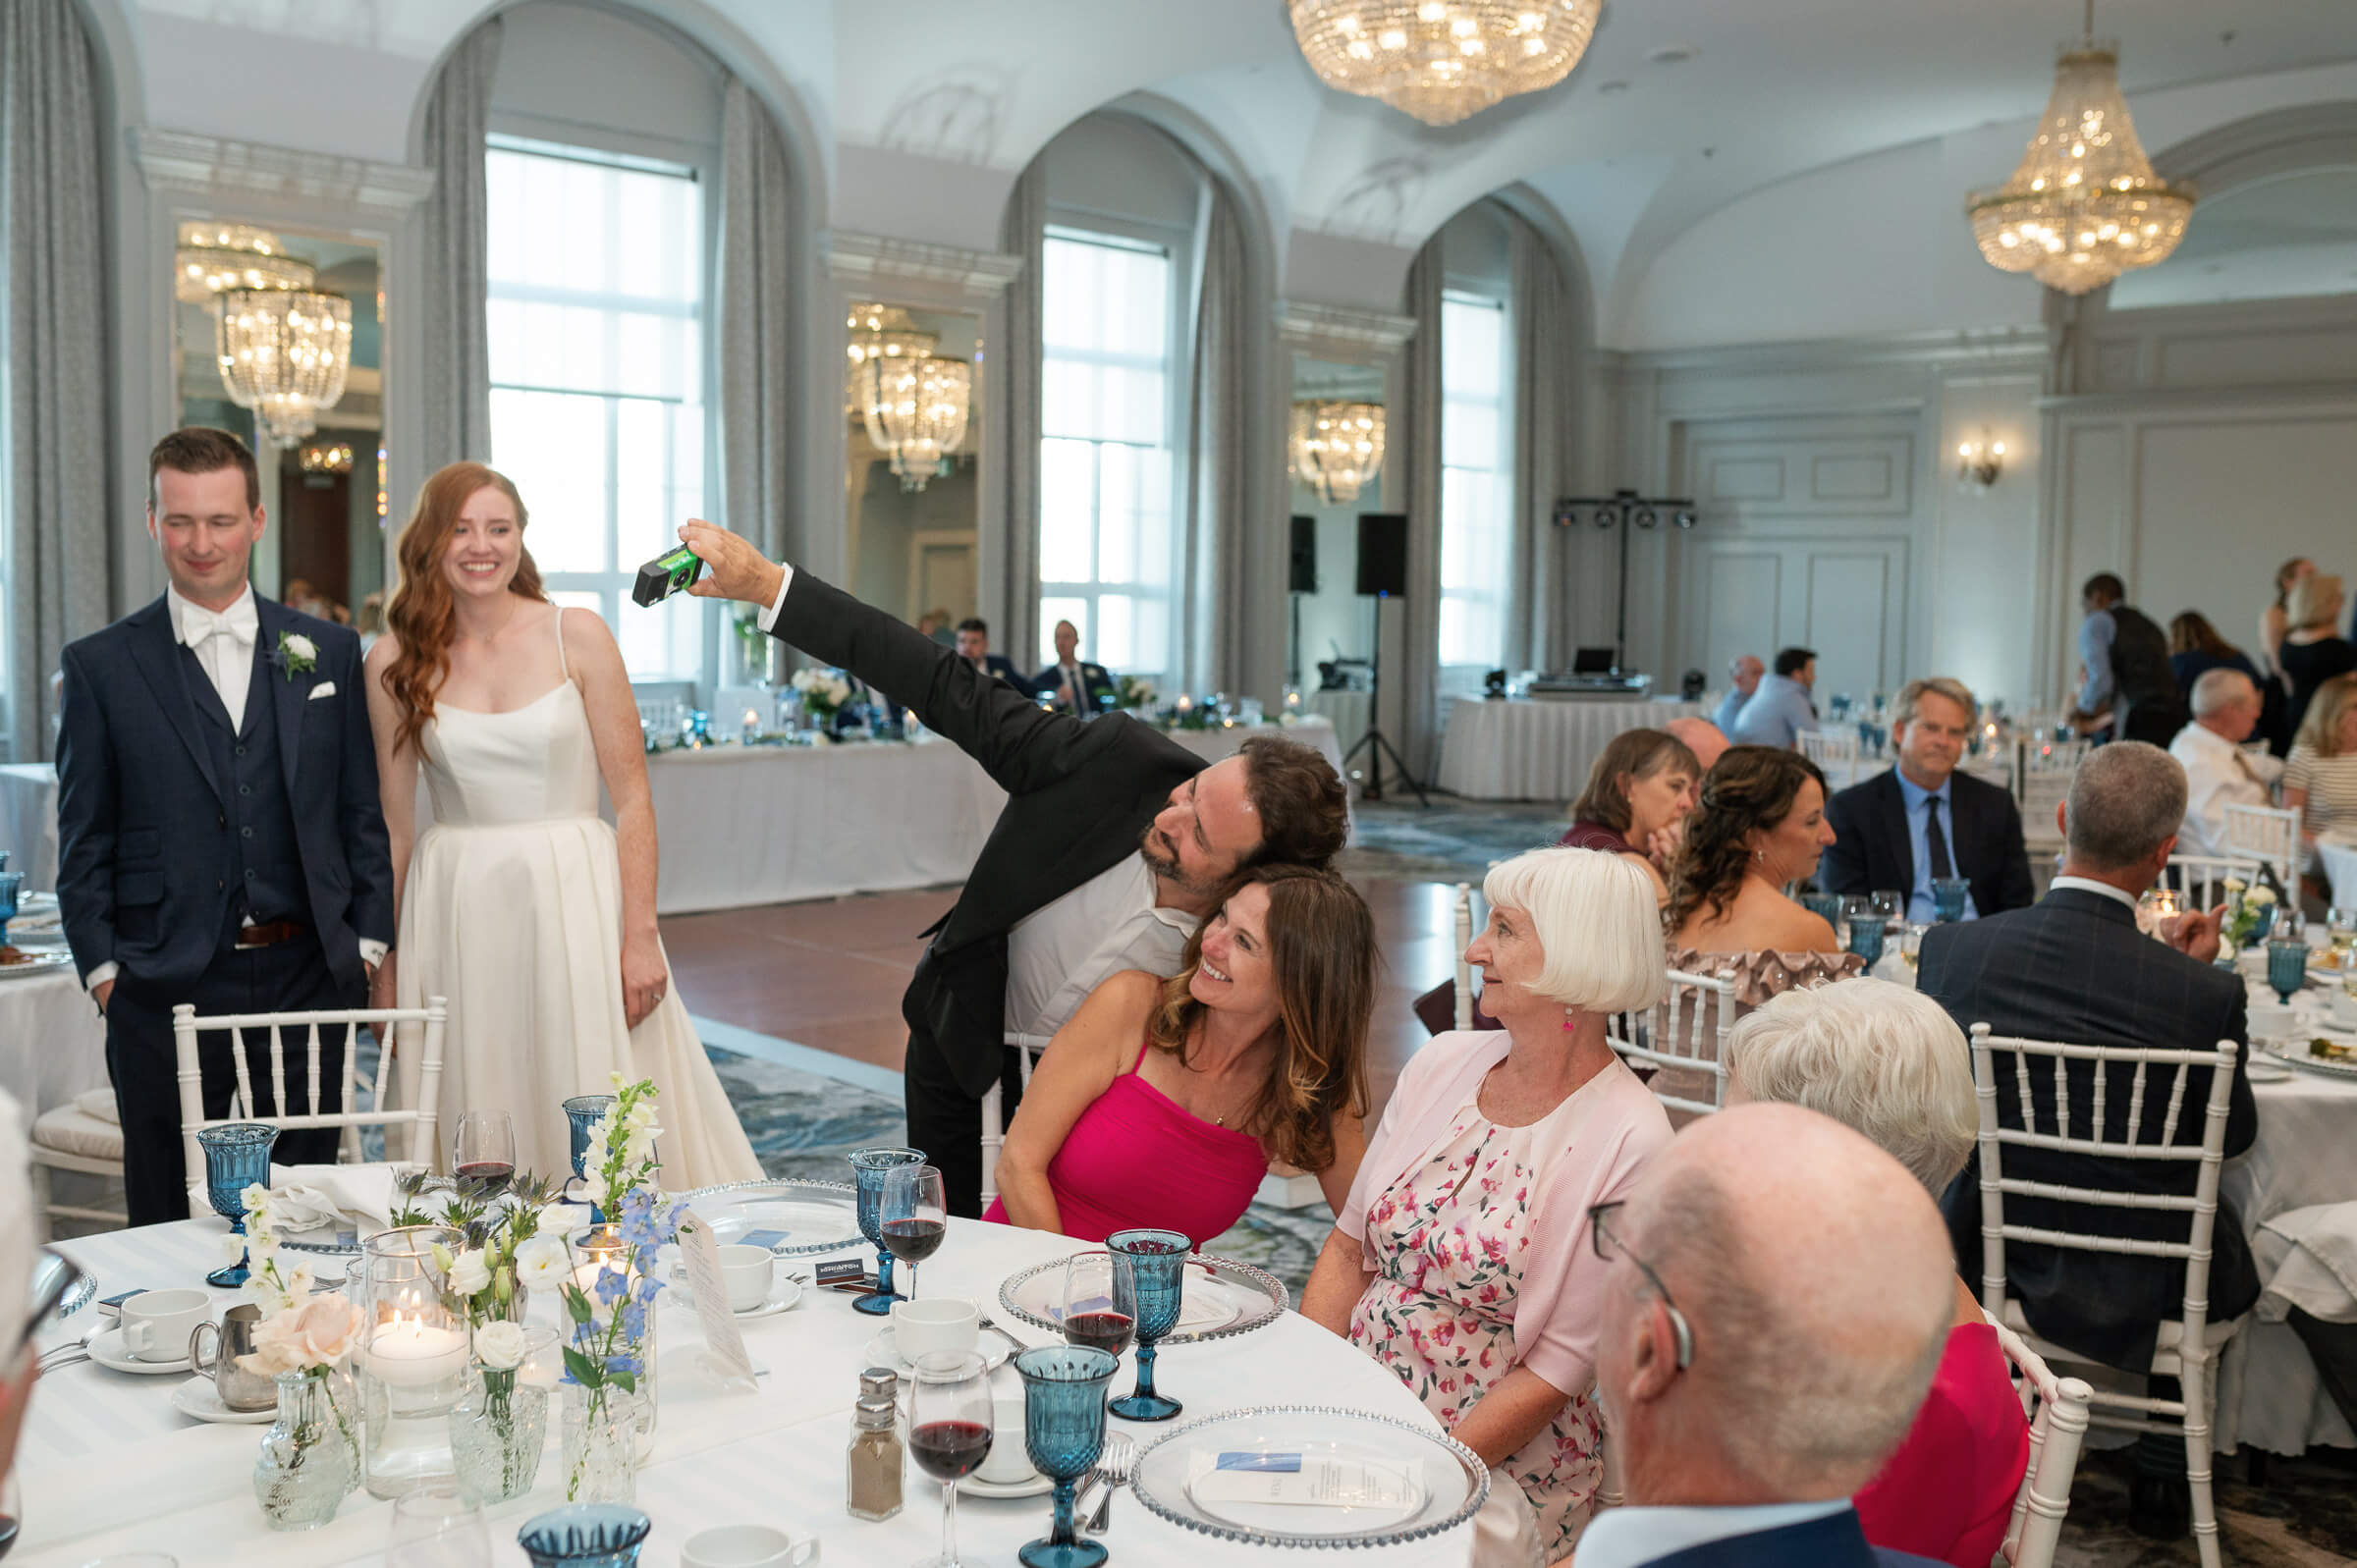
point(300, 646)
point(2260, 896)
point(2235, 885)
point(499, 1345)
point(468, 1272)
point(544, 1261)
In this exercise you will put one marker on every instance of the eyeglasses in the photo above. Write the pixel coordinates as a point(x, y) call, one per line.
point(1608, 1246)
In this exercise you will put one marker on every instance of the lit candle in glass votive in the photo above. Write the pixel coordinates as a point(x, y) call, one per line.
point(1186, 703)
point(405, 1351)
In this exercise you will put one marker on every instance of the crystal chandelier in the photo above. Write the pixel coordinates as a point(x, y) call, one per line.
point(880, 331)
point(1442, 60)
point(1336, 446)
point(917, 410)
point(214, 257)
point(284, 353)
point(2085, 205)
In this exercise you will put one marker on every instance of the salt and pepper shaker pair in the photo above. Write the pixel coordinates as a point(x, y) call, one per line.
point(875, 1464)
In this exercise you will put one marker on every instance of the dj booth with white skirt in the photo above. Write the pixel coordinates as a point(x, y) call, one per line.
point(1538, 749)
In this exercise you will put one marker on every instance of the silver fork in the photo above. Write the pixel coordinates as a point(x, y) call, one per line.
point(72, 1351)
point(1118, 1462)
point(983, 1322)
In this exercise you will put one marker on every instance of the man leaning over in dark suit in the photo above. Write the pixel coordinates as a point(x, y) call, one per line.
point(1925, 819)
point(1114, 842)
point(2074, 969)
point(1777, 1296)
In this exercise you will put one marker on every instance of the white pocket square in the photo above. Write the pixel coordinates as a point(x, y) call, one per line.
point(325, 689)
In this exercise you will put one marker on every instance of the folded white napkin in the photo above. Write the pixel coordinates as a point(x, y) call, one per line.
point(322, 1192)
point(2309, 1259)
point(98, 1104)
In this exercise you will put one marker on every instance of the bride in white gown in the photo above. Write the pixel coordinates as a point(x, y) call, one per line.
point(520, 904)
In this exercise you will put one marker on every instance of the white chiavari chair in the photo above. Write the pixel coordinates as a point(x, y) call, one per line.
point(2187, 1345)
point(2269, 834)
point(2058, 1412)
point(1681, 1035)
point(1464, 938)
point(995, 1120)
point(300, 1032)
point(1835, 754)
point(2203, 877)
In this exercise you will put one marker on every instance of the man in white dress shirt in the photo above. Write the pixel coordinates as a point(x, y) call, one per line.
point(2219, 773)
point(1750, 1397)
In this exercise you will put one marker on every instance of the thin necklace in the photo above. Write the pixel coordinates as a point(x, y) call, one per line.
point(514, 610)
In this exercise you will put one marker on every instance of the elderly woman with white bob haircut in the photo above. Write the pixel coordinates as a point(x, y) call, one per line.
point(1462, 1259)
point(1893, 1065)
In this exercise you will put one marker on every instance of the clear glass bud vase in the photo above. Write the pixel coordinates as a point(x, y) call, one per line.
point(309, 1458)
point(497, 1431)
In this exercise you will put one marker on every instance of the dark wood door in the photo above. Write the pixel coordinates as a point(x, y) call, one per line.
point(316, 544)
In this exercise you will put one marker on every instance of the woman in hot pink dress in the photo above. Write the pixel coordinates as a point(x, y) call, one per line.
point(1891, 1064)
point(1462, 1259)
point(1162, 1103)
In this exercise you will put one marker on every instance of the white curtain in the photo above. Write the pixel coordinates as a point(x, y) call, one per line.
point(1012, 419)
point(1413, 657)
point(1221, 483)
point(454, 363)
point(756, 304)
point(58, 510)
point(1561, 589)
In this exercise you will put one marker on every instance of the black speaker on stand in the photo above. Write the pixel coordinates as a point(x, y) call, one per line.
point(1301, 577)
point(1382, 574)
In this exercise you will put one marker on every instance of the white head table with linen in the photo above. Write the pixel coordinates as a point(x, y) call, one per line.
point(1524, 749)
point(108, 1464)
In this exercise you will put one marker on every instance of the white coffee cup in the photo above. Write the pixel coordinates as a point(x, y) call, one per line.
point(940, 1322)
point(2343, 1009)
point(2270, 1020)
point(1009, 1464)
point(748, 1546)
point(156, 1324)
point(745, 1271)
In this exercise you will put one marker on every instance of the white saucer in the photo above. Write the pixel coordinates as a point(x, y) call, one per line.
point(197, 1397)
point(108, 1351)
point(783, 1294)
point(881, 1351)
point(977, 1487)
point(2263, 1068)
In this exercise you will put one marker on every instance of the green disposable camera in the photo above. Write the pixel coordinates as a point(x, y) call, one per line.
point(666, 575)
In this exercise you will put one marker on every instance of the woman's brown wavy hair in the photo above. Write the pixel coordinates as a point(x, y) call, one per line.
point(421, 617)
point(1748, 787)
point(1322, 947)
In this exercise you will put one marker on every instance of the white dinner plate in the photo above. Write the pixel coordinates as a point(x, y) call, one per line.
point(108, 1350)
point(2263, 1068)
point(977, 1487)
point(197, 1397)
point(882, 1351)
point(37, 961)
point(1206, 1304)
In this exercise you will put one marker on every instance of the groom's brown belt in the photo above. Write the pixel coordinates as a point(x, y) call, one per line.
point(270, 936)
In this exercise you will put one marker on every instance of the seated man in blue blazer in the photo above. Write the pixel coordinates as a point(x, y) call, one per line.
point(1077, 685)
point(1925, 819)
point(973, 646)
point(1777, 1294)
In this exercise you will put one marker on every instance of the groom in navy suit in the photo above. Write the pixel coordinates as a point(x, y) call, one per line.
point(219, 832)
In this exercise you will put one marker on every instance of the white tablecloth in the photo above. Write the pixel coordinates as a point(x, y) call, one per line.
point(1526, 750)
point(108, 1466)
point(2336, 863)
point(29, 822)
point(1318, 734)
point(52, 1040)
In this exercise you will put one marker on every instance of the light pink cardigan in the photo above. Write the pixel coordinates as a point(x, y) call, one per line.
point(1612, 1123)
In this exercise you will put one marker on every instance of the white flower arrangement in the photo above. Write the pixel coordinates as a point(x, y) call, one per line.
point(822, 688)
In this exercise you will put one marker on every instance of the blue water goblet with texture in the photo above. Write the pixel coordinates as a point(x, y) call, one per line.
point(1824, 904)
point(581, 1112)
point(1064, 1431)
point(2287, 966)
point(12, 882)
point(869, 1166)
point(1156, 1262)
point(585, 1534)
point(1865, 937)
point(1947, 897)
point(237, 1154)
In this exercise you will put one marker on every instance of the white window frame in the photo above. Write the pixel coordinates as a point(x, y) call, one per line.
point(1495, 600)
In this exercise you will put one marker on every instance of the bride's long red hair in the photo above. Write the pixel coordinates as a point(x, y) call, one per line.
point(423, 617)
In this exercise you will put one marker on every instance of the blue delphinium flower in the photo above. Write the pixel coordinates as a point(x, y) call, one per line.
point(612, 1284)
point(633, 1320)
point(622, 1364)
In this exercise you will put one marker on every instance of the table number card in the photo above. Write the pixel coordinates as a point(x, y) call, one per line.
point(721, 1339)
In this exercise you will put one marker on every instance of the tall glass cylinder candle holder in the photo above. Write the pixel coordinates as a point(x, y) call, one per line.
point(869, 1166)
point(602, 1250)
point(237, 1156)
point(411, 1363)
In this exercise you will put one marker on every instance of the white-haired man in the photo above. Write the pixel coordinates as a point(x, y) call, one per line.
point(1744, 670)
point(2219, 773)
point(1778, 1299)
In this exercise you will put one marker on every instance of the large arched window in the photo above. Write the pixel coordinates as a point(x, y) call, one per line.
point(1477, 419)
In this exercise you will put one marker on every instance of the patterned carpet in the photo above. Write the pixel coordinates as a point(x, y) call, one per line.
point(1451, 840)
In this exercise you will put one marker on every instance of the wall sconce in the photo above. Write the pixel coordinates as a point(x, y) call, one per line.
point(1978, 464)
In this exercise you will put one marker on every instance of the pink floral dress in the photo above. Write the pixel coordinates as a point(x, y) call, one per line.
point(1447, 1242)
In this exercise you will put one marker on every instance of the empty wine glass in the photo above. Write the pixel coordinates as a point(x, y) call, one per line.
point(950, 1423)
point(1887, 902)
point(483, 1154)
point(1100, 1303)
point(915, 1217)
point(435, 1527)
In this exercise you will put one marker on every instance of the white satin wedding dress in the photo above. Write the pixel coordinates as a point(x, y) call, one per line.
point(512, 912)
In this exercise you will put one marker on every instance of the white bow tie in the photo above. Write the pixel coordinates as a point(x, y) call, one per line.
point(198, 624)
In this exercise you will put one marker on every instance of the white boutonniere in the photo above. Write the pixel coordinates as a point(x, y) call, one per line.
point(298, 655)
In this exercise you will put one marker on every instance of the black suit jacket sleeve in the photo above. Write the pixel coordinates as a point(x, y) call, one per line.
point(85, 820)
point(1843, 868)
point(1019, 744)
point(360, 809)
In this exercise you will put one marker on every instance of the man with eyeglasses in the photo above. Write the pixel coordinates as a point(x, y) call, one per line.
point(1779, 1299)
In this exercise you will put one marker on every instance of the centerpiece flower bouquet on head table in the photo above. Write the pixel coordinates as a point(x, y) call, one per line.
point(823, 693)
point(1136, 692)
point(609, 1290)
point(2250, 912)
point(311, 1457)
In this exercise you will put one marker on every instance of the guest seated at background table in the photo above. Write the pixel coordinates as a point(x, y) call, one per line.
point(1704, 738)
point(1925, 819)
point(1483, 1296)
point(1782, 708)
point(2195, 648)
point(1761, 826)
point(1638, 794)
point(2320, 780)
point(1885, 1060)
point(1752, 1394)
point(2313, 651)
point(1163, 1102)
point(1744, 670)
point(2219, 773)
point(1076, 684)
point(973, 646)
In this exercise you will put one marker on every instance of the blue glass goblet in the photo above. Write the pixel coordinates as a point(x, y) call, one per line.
point(1865, 937)
point(1064, 1431)
point(12, 882)
point(1824, 904)
point(2287, 966)
point(237, 1154)
point(1156, 1263)
point(2262, 923)
point(585, 1534)
point(582, 1111)
point(869, 1166)
point(1947, 897)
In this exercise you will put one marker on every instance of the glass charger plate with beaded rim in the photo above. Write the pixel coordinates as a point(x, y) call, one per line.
point(2296, 1055)
point(1449, 1482)
point(1257, 1298)
point(817, 1216)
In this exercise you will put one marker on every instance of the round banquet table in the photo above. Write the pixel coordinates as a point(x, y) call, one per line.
point(2336, 863)
point(1521, 750)
point(52, 1040)
point(107, 1464)
point(29, 822)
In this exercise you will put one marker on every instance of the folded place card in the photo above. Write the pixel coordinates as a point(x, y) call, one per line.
point(723, 1340)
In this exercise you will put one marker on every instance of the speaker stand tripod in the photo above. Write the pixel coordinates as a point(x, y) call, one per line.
point(1374, 741)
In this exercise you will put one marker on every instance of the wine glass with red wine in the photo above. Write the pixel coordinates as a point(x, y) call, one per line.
point(1100, 1303)
point(483, 1159)
point(916, 1216)
point(949, 1430)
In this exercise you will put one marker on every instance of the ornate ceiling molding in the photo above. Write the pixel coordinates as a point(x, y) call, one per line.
point(241, 171)
point(1339, 332)
point(912, 272)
